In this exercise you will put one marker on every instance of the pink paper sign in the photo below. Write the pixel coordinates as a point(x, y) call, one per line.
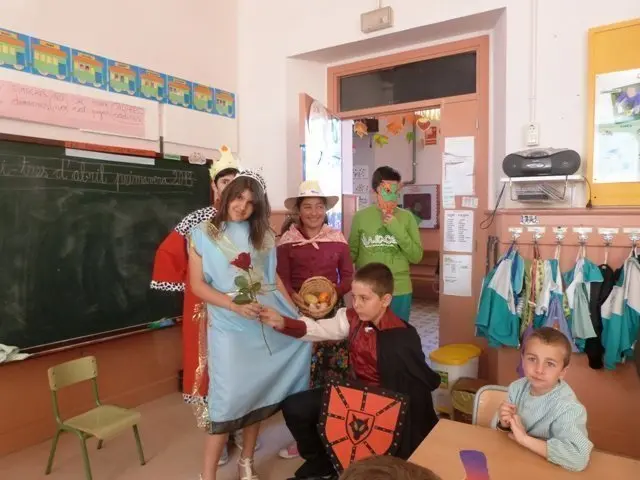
point(39, 105)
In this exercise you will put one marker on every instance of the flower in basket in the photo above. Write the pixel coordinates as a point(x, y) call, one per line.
point(247, 288)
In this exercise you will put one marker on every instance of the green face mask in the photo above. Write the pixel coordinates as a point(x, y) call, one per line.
point(389, 192)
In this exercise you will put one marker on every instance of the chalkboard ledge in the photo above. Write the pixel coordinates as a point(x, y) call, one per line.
point(44, 350)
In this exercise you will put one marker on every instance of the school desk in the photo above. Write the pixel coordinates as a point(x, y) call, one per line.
point(507, 460)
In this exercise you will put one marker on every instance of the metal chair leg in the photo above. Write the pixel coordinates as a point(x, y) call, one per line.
point(54, 445)
point(138, 444)
point(85, 456)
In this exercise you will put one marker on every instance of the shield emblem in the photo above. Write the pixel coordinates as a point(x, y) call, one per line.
point(359, 422)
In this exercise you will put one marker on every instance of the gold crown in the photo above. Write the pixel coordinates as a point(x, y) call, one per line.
point(223, 159)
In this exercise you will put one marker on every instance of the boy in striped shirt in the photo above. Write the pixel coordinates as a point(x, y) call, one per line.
point(542, 412)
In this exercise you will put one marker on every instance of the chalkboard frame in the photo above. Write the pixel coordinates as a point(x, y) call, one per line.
point(90, 340)
point(97, 338)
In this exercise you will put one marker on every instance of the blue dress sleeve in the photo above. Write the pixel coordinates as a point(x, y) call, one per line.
point(197, 241)
point(196, 237)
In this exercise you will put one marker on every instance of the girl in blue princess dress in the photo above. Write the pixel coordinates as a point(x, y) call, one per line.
point(232, 264)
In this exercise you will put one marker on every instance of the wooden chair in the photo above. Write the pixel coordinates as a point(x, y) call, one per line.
point(486, 403)
point(102, 422)
point(425, 276)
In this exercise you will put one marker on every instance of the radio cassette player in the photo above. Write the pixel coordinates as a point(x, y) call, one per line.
point(541, 162)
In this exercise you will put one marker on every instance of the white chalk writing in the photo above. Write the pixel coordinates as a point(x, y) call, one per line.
point(95, 173)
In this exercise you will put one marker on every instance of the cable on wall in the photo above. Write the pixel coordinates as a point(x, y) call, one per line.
point(533, 59)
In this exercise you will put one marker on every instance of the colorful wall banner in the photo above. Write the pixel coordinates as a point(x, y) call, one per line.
point(89, 70)
point(44, 58)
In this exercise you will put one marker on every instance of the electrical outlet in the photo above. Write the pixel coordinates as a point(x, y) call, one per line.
point(533, 135)
point(375, 20)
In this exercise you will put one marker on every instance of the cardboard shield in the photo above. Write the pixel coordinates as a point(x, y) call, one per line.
point(359, 422)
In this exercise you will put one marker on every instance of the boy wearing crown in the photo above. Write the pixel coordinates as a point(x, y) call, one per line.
point(171, 276)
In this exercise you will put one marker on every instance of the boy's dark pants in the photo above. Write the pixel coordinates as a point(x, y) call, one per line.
point(302, 414)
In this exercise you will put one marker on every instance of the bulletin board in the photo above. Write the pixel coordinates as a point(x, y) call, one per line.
point(614, 114)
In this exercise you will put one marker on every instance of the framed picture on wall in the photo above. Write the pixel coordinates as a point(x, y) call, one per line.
point(422, 201)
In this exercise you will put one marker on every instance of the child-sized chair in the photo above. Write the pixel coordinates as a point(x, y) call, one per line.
point(102, 422)
point(486, 404)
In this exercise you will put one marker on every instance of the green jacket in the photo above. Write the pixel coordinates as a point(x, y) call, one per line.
point(396, 245)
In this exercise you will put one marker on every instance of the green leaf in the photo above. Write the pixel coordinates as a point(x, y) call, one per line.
point(242, 299)
point(256, 287)
point(410, 136)
point(380, 139)
point(241, 281)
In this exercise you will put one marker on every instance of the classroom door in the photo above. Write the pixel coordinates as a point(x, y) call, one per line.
point(321, 146)
point(457, 314)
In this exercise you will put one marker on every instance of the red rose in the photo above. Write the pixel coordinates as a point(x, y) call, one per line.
point(242, 261)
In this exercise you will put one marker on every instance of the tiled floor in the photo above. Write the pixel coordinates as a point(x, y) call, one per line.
point(425, 317)
point(172, 443)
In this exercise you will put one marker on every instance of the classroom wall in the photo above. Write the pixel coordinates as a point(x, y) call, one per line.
point(319, 35)
point(610, 397)
point(196, 42)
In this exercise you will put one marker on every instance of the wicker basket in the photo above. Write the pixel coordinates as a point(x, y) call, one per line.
point(315, 286)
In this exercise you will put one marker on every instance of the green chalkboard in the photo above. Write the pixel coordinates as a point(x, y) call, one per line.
point(78, 238)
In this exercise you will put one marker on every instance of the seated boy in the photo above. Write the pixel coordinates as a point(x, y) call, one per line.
point(387, 468)
point(541, 412)
point(384, 351)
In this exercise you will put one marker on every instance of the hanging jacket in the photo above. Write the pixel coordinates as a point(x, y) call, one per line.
point(621, 315)
point(600, 291)
point(555, 319)
point(497, 319)
point(534, 282)
point(578, 291)
point(551, 291)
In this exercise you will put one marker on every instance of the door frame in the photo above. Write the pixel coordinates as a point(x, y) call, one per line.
point(481, 46)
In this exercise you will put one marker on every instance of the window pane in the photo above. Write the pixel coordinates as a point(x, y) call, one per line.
point(425, 80)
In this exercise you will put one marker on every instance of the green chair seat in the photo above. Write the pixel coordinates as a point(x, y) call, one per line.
point(104, 422)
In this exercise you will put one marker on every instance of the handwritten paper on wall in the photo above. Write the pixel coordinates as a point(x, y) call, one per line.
point(360, 172)
point(39, 105)
point(456, 275)
point(458, 231)
point(448, 196)
point(362, 185)
point(458, 162)
point(363, 201)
